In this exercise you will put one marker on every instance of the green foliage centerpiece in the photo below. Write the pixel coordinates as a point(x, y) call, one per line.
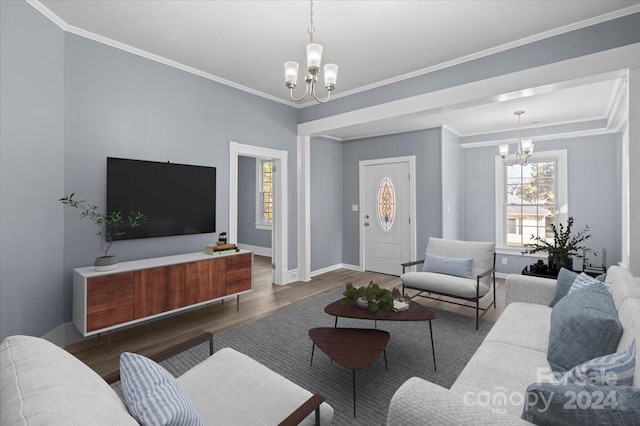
point(564, 245)
point(377, 298)
point(109, 225)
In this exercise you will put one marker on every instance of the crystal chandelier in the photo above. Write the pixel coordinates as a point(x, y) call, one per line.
point(314, 57)
point(525, 148)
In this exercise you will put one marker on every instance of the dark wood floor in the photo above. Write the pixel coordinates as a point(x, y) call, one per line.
point(154, 336)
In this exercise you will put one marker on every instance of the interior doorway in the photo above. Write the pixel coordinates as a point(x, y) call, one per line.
point(279, 248)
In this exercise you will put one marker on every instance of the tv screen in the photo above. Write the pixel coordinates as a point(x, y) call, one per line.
point(177, 199)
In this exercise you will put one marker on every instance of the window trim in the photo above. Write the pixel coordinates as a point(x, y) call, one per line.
point(562, 194)
point(260, 224)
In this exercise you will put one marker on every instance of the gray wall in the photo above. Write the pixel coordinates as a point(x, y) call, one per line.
point(326, 203)
point(452, 187)
point(594, 183)
point(31, 171)
point(247, 232)
point(122, 105)
point(426, 146)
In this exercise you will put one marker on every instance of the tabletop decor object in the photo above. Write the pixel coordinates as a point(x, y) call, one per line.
point(377, 298)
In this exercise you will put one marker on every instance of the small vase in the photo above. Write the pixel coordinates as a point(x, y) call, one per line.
point(105, 263)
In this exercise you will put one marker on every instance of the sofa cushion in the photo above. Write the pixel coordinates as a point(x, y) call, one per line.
point(240, 382)
point(152, 394)
point(564, 281)
point(584, 325)
point(447, 265)
point(613, 370)
point(523, 324)
point(445, 284)
point(43, 384)
point(500, 370)
point(554, 404)
point(629, 315)
point(481, 253)
point(623, 285)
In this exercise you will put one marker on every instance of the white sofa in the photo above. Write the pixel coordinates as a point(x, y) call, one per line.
point(42, 384)
point(492, 387)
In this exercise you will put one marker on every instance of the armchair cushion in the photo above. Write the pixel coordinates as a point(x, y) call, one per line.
point(447, 265)
point(480, 252)
point(444, 284)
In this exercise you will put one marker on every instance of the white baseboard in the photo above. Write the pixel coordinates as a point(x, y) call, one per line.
point(260, 251)
point(335, 267)
point(64, 335)
point(293, 275)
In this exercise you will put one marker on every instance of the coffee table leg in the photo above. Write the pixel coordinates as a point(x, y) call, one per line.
point(313, 348)
point(386, 367)
point(433, 348)
point(354, 392)
point(335, 324)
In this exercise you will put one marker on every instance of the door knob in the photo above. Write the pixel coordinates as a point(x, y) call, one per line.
point(366, 224)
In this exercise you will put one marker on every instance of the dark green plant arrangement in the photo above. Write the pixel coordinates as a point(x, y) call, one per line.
point(378, 298)
point(109, 224)
point(564, 245)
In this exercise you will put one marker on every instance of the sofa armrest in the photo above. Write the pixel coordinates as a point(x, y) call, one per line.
point(529, 289)
point(301, 413)
point(418, 402)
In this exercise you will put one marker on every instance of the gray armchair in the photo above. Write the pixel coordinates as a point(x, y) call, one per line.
point(456, 269)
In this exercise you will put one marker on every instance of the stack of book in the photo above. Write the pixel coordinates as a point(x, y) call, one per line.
point(221, 248)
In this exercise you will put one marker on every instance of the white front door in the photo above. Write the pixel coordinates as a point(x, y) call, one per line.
point(387, 206)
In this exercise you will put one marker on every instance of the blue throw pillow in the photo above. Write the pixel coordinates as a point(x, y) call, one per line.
point(614, 370)
point(447, 265)
point(564, 281)
point(152, 394)
point(584, 325)
point(552, 404)
point(583, 280)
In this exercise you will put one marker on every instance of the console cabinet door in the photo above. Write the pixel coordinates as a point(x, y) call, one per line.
point(205, 280)
point(238, 273)
point(109, 300)
point(159, 290)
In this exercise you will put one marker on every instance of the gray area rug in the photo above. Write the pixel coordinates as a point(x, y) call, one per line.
point(281, 342)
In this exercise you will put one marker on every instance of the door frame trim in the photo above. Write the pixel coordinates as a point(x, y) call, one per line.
point(411, 159)
point(280, 254)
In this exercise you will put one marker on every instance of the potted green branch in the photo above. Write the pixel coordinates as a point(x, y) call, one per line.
point(371, 297)
point(109, 225)
point(563, 247)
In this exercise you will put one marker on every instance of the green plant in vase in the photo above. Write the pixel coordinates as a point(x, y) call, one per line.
point(110, 226)
point(564, 246)
point(377, 298)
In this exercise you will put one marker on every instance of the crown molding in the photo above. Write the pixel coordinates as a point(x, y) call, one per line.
point(487, 52)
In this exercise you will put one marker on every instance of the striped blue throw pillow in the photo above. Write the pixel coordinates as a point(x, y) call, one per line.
point(152, 394)
point(609, 370)
point(583, 280)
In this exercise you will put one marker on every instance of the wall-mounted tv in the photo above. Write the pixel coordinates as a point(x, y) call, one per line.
point(177, 199)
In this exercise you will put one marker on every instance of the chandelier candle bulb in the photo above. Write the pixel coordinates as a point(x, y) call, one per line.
point(527, 146)
point(314, 55)
point(504, 150)
point(291, 73)
point(330, 75)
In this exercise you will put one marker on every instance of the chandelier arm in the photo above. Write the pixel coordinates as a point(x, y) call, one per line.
point(304, 95)
point(313, 93)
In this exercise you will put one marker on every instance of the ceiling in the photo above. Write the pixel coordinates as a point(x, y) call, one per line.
point(245, 43)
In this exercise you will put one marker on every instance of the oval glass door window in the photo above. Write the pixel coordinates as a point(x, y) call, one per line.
point(386, 204)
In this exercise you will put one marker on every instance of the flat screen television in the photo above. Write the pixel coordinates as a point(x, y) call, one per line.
point(177, 199)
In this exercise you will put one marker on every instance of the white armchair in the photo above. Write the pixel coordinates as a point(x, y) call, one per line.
point(456, 269)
